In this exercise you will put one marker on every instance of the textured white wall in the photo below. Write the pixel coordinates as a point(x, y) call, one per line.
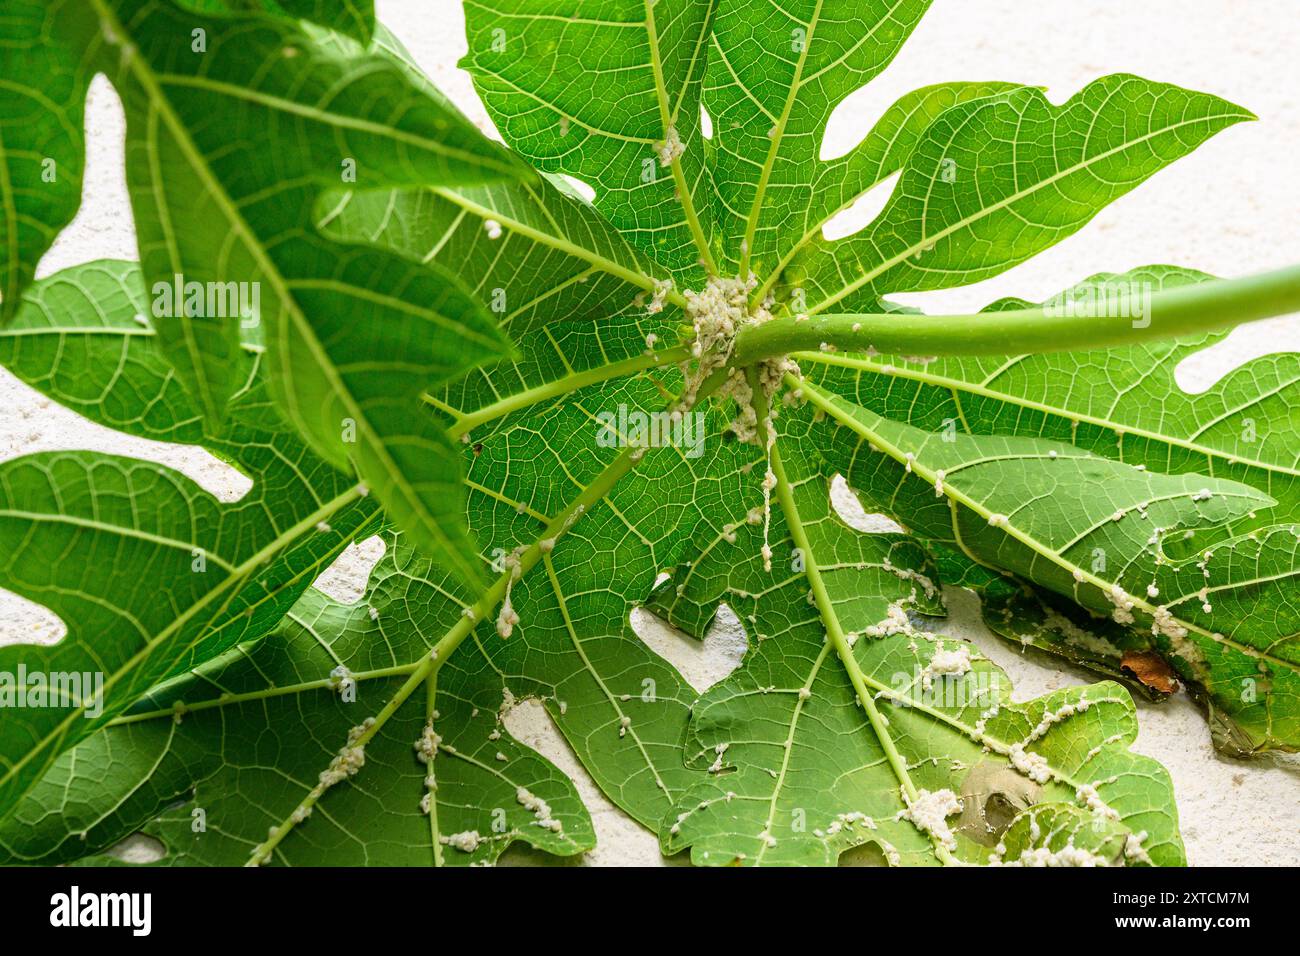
point(1230, 209)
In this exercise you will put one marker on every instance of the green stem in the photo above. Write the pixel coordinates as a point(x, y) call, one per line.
point(435, 835)
point(468, 421)
point(1202, 307)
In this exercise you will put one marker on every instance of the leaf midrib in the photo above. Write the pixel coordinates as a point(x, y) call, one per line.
point(355, 124)
point(778, 131)
point(835, 637)
point(559, 243)
point(957, 496)
point(146, 77)
point(238, 575)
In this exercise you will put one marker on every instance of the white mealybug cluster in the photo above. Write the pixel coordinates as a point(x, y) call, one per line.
point(671, 147)
point(717, 312)
point(467, 841)
point(1068, 855)
point(1164, 622)
point(895, 622)
point(1123, 613)
point(1088, 794)
point(341, 679)
point(1032, 765)
point(507, 618)
point(662, 289)
point(426, 747)
point(350, 758)
point(492, 228)
point(719, 750)
point(540, 810)
point(946, 662)
point(1133, 849)
point(929, 811)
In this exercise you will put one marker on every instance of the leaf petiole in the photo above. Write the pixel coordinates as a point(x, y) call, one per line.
point(1203, 307)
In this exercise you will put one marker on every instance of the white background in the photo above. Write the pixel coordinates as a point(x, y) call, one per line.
point(1231, 208)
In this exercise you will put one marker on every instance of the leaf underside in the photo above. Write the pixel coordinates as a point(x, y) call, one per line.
point(454, 350)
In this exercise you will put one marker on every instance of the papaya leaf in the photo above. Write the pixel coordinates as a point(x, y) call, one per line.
point(570, 408)
point(336, 117)
point(417, 643)
point(1145, 549)
point(608, 93)
point(848, 725)
point(42, 147)
point(996, 180)
point(150, 574)
point(353, 18)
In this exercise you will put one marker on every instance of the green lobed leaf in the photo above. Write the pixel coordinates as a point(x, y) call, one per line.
point(995, 181)
point(353, 18)
point(1121, 541)
point(622, 708)
point(240, 742)
point(42, 147)
point(844, 714)
point(592, 90)
point(818, 191)
point(150, 574)
point(562, 284)
point(592, 526)
point(351, 390)
point(774, 76)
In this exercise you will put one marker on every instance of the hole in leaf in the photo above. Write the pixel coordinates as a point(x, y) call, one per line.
point(851, 512)
point(992, 795)
point(619, 839)
point(348, 577)
point(701, 663)
point(1202, 370)
point(26, 622)
point(859, 215)
point(586, 191)
point(866, 854)
point(706, 123)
